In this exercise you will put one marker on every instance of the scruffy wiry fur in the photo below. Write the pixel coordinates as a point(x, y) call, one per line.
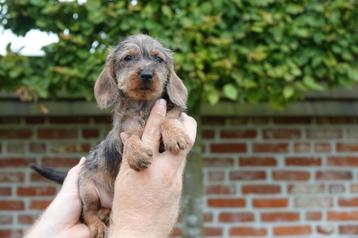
point(138, 72)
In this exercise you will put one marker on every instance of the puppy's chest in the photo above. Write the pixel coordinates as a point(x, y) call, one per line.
point(134, 119)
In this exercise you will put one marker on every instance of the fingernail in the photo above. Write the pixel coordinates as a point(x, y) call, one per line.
point(82, 160)
point(162, 103)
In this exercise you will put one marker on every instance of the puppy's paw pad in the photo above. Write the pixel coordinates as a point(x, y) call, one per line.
point(98, 230)
point(177, 143)
point(140, 158)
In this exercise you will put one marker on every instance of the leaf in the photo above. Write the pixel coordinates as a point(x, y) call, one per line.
point(230, 91)
point(310, 83)
point(288, 92)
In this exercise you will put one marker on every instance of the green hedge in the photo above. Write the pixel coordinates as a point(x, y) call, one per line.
point(241, 50)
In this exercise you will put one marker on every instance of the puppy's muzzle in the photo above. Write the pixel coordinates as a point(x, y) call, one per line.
point(146, 76)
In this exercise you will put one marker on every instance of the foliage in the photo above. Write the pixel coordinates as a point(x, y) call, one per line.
point(240, 50)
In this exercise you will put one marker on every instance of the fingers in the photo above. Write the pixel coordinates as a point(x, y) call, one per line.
point(79, 231)
point(190, 126)
point(151, 134)
point(70, 183)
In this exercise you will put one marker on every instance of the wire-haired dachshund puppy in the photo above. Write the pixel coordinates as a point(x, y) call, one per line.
point(137, 73)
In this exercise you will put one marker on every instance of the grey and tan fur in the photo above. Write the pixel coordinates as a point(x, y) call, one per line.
point(137, 73)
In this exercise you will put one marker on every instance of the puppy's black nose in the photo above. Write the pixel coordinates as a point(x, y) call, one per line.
point(146, 74)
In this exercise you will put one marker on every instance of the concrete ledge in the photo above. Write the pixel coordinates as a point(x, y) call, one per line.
point(81, 108)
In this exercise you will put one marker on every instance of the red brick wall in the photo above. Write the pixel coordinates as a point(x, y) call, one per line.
point(264, 177)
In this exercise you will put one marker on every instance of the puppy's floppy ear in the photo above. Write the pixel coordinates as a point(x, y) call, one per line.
point(176, 89)
point(105, 88)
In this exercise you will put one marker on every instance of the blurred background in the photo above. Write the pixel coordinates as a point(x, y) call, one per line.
point(272, 84)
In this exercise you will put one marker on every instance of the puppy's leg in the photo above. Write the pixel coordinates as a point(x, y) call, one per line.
point(173, 133)
point(138, 155)
point(91, 204)
point(103, 215)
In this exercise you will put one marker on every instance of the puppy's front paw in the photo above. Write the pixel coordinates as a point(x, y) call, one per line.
point(139, 156)
point(174, 137)
point(98, 229)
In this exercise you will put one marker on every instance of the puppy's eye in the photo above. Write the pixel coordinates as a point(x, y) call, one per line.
point(128, 58)
point(158, 59)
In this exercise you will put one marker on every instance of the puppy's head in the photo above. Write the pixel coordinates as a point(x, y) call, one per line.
point(141, 69)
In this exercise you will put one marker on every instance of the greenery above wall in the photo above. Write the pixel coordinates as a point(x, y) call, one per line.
point(245, 51)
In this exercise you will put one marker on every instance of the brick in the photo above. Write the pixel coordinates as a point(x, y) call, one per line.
point(213, 120)
point(85, 148)
point(68, 120)
point(259, 120)
point(290, 175)
point(348, 202)
point(15, 148)
point(59, 162)
point(11, 177)
point(103, 120)
point(305, 188)
point(218, 162)
point(237, 121)
point(227, 202)
point(354, 188)
point(334, 175)
point(322, 147)
point(281, 133)
point(216, 175)
point(334, 120)
point(208, 217)
point(302, 161)
point(176, 232)
point(213, 231)
point(257, 161)
point(236, 217)
point(207, 134)
point(90, 133)
point(36, 191)
point(301, 147)
point(324, 133)
point(5, 191)
point(325, 229)
point(65, 148)
point(313, 216)
point(312, 202)
point(238, 134)
point(35, 120)
point(247, 231)
point(280, 216)
point(13, 233)
point(260, 189)
point(228, 148)
point(11, 205)
point(63, 133)
point(292, 120)
point(35, 177)
point(39, 204)
point(10, 120)
point(220, 189)
point(247, 175)
point(15, 162)
point(15, 134)
point(269, 202)
point(343, 161)
point(270, 147)
point(6, 219)
point(26, 219)
point(347, 147)
point(348, 229)
point(37, 148)
point(292, 230)
point(342, 216)
point(336, 188)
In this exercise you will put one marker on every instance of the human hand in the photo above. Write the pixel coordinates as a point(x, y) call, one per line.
point(146, 203)
point(61, 217)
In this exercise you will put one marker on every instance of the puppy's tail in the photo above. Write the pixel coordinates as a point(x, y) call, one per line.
point(51, 174)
